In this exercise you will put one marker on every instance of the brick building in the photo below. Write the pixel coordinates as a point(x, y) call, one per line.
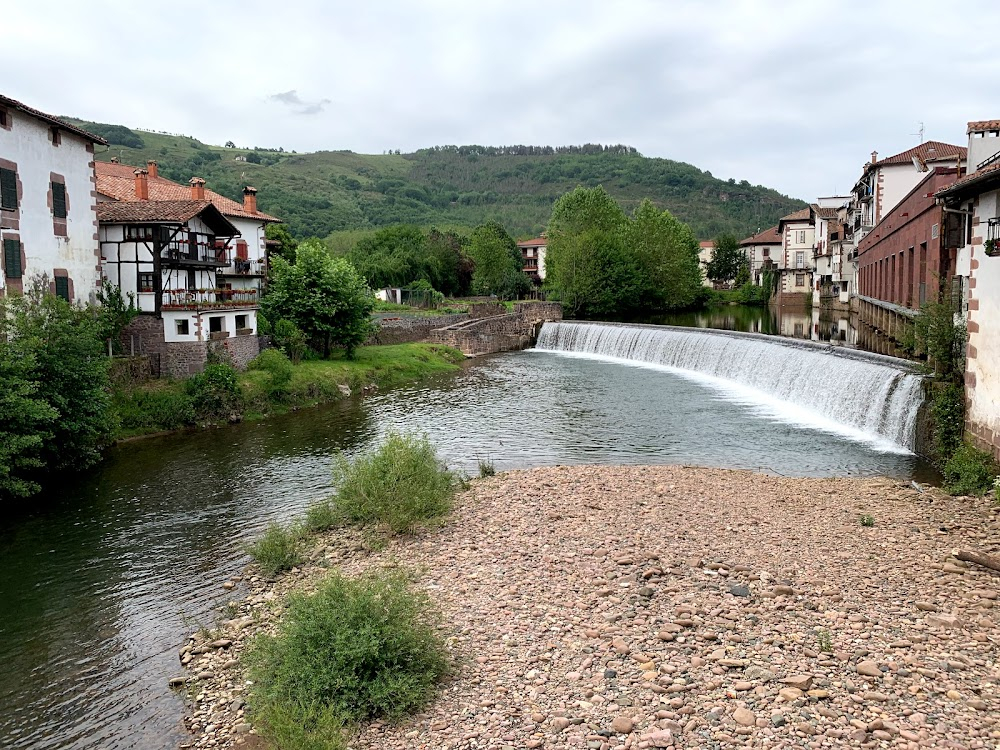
point(910, 256)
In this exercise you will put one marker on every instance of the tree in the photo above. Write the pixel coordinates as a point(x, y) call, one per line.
point(498, 266)
point(666, 252)
point(325, 297)
point(288, 244)
point(230, 144)
point(727, 259)
point(54, 404)
point(114, 313)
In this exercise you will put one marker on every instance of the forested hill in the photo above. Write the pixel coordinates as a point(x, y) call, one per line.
point(322, 192)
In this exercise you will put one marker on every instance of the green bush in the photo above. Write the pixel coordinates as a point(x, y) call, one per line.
point(398, 487)
point(291, 340)
point(215, 393)
point(948, 418)
point(970, 471)
point(277, 365)
point(159, 409)
point(278, 549)
point(356, 649)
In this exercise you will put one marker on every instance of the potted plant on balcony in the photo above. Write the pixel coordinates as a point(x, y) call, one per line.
point(991, 248)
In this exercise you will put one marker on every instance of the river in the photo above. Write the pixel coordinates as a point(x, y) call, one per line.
point(102, 582)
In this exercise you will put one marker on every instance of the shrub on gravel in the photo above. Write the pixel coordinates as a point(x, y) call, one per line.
point(279, 548)
point(399, 487)
point(969, 471)
point(357, 649)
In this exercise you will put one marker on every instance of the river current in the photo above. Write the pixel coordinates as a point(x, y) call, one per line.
point(100, 585)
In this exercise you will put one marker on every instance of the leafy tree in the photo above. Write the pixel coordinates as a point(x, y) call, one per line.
point(325, 297)
point(666, 252)
point(280, 233)
point(54, 411)
point(728, 259)
point(498, 266)
point(114, 313)
point(455, 267)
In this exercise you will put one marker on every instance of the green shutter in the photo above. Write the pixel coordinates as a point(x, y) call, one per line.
point(8, 188)
point(12, 259)
point(62, 287)
point(58, 200)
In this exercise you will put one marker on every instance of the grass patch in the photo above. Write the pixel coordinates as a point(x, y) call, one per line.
point(867, 521)
point(272, 385)
point(970, 471)
point(486, 468)
point(278, 549)
point(398, 488)
point(357, 649)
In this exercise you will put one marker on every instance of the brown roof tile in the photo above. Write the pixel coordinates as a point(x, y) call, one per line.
point(981, 175)
point(118, 181)
point(978, 125)
point(767, 237)
point(802, 215)
point(537, 242)
point(824, 213)
point(150, 212)
point(927, 151)
point(6, 101)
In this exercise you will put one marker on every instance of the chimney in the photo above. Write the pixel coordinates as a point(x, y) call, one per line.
point(141, 185)
point(152, 168)
point(197, 188)
point(250, 199)
point(874, 156)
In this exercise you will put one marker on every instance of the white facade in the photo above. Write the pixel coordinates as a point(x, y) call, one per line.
point(533, 257)
point(983, 367)
point(42, 156)
point(797, 262)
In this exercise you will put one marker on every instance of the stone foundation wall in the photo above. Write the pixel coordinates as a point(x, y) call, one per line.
point(237, 349)
point(500, 333)
point(411, 329)
point(144, 335)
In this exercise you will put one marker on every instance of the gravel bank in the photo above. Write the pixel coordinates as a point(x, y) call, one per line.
point(645, 607)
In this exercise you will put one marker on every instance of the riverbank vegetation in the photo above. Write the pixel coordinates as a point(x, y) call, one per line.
point(271, 385)
point(358, 648)
point(937, 336)
point(601, 262)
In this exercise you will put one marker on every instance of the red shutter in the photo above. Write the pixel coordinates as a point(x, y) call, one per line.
point(241, 250)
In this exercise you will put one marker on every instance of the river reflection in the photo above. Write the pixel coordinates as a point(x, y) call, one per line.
point(101, 583)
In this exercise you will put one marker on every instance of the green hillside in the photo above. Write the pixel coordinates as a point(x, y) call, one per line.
point(330, 191)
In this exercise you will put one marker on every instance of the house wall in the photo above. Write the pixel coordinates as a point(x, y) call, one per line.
point(49, 246)
point(901, 259)
point(982, 375)
point(982, 145)
point(251, 232)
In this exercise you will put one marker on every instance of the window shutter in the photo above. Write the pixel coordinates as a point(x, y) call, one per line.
point(12, 259)
point(241, 250)
point(62, 287)
point(8, 188)
point(58, 200)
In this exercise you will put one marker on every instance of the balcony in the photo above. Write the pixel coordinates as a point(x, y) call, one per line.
point(194, 254)
point(243, 267)
point(207, 299)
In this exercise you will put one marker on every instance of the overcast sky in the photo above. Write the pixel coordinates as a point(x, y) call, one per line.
point(792, 95)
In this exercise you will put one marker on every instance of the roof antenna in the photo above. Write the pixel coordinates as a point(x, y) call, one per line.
point(920, 132)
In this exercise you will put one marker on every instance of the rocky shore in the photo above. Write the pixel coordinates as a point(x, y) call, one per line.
point(651, 607)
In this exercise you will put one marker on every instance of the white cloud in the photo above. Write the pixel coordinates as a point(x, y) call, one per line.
point(787, 94)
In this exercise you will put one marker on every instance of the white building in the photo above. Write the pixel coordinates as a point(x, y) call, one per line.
point(194, 259)
point(763, 250)
point(706, 251)
point(48, 224)
point(795, 261)
point(977, 197)
point(533, 257)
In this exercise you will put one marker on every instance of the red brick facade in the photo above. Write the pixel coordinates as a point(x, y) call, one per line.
point(909, 256)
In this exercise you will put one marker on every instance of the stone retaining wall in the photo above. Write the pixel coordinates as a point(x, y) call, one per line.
point(499, 333)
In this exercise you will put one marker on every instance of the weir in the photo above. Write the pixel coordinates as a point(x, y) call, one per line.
point(876, 395)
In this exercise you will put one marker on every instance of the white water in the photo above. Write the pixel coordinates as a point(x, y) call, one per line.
point(861, 398)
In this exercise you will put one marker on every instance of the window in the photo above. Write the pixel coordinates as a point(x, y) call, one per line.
point(62, 287)
point(8, 189)
point(192, 280)
point(800, 236)
point(800, 279)
point(12, 259)
point(241, 321)
point(59, 200)
point(138, 233)
point(146, 283)
point(765, 253)
point(934, 231)
point(55, 136)
point(800, 259)
point(4, 118)
point(241, 250)
point(216, 324)
point(183, 328)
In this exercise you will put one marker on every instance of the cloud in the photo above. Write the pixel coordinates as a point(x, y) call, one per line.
point(299, 105)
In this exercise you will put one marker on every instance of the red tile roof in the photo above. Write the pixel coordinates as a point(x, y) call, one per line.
point(165, 212)
point(978, 125)
point(804, 215)
point(6, 101)
point(118, 181)
point(706, 244)
point(961, 186)
point(767, 237)
point(537, 242)
point(928, 151)
point(824, 213)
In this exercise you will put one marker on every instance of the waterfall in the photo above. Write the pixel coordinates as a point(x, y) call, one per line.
point(863, 396)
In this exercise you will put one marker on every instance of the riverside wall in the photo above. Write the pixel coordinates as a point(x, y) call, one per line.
point(499, 333)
